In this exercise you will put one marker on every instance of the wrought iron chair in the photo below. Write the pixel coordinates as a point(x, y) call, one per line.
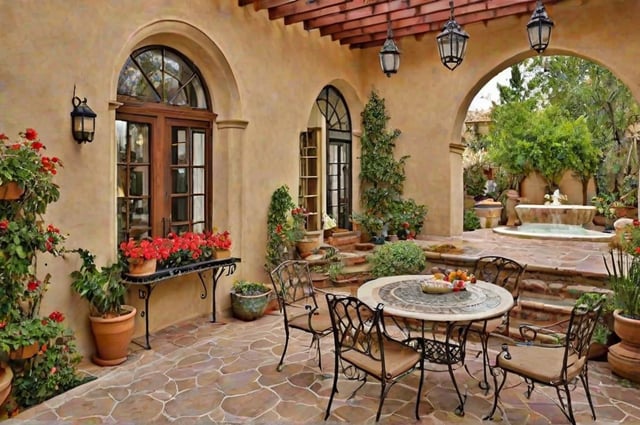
point(296, 295)
point(363, 348)
point(506, 273)
point(558, 365)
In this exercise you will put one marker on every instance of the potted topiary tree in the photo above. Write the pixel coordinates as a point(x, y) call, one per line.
point(112, 322)
point(249, 299)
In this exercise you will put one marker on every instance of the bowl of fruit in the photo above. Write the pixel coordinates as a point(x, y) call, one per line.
point(453, 281)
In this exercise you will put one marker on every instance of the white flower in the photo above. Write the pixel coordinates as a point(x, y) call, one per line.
point(328, 222)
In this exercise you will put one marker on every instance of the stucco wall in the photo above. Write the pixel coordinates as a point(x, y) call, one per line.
point(264, 78)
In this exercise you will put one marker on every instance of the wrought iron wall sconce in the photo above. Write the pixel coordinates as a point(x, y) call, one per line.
point(83, 120)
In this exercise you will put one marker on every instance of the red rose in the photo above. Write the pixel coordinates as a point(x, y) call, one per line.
point(15, 146)
point(33, 285)
point(31, 134)
point(4, 224)
point(36, 146)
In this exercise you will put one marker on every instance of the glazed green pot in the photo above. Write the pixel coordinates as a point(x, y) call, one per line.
point(249, 307)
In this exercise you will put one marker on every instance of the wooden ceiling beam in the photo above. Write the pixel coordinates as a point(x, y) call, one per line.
point(364, 23)
point(300, 6)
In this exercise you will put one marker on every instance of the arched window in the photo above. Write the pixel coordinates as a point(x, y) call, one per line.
point(163, 139)
point(338, 121)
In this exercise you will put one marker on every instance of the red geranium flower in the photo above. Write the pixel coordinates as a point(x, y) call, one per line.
point(31, 134)
point(56, 316)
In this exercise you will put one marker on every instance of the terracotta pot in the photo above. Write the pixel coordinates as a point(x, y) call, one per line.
point(306, 246)
point(138, 267)
point(10, 191)
point(219, 254)
point(112, 336)
point(624, 357)
point(599, 220)
point(24, 353)
point(6, 377)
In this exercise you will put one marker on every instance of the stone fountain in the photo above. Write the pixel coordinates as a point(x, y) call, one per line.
point(555, 220)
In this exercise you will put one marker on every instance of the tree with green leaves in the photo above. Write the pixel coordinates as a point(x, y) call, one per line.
point(584, 89)
point(382, 176)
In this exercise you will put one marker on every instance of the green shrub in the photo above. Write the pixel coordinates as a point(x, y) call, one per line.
point(402, 257)
point(470, 220)
point(246, 287)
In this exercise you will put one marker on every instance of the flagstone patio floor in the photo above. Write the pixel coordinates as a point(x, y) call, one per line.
point(199, 372)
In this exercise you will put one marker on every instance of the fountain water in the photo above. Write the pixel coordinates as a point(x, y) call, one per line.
point(555, 220)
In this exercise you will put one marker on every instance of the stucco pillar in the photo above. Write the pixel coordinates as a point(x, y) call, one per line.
point(356, 152)
point(456, 206)
point(228, 180)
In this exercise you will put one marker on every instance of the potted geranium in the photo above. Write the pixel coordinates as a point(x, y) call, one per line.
point(221, 243)
point(23, 166)
point(143, 255)
point(24, 239)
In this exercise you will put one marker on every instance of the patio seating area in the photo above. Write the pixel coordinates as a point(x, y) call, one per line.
point(202, 372)
point(199, 372)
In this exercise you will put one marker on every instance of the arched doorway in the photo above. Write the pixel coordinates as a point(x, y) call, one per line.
point(338, 193)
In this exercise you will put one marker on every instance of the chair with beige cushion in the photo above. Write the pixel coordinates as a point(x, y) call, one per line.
point(506, 273)
point(298, 303)
point(363, 348)
point(559, 365)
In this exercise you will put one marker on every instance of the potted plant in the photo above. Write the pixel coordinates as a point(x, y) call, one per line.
point(23, 165)
point(221, 242)
point(283, 228)
point(605, 213)
point(112, 322)
point(623, 268)
point(142, 255)
point(249, 299)
point(398, 258)
point(30, 342)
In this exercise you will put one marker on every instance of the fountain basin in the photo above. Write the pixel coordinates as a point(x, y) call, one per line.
point(578, 215)
point(565, 232)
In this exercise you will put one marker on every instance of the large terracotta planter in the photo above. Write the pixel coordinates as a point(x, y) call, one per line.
point(6, 377)
point(249, 307)
point(624, 357)
point(112, 337)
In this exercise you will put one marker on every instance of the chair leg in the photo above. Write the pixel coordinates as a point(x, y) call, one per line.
point(334, 389)
point(382, 397)
point(316, 338)
point(420, 387)
point(284, 352)
point(484, 343)
point(566, 409)
point(497, 388)
point(584, 377)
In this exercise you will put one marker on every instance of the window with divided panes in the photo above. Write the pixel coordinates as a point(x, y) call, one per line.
point(164, 146)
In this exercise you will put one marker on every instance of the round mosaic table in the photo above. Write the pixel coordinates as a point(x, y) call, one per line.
point(402, 296)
